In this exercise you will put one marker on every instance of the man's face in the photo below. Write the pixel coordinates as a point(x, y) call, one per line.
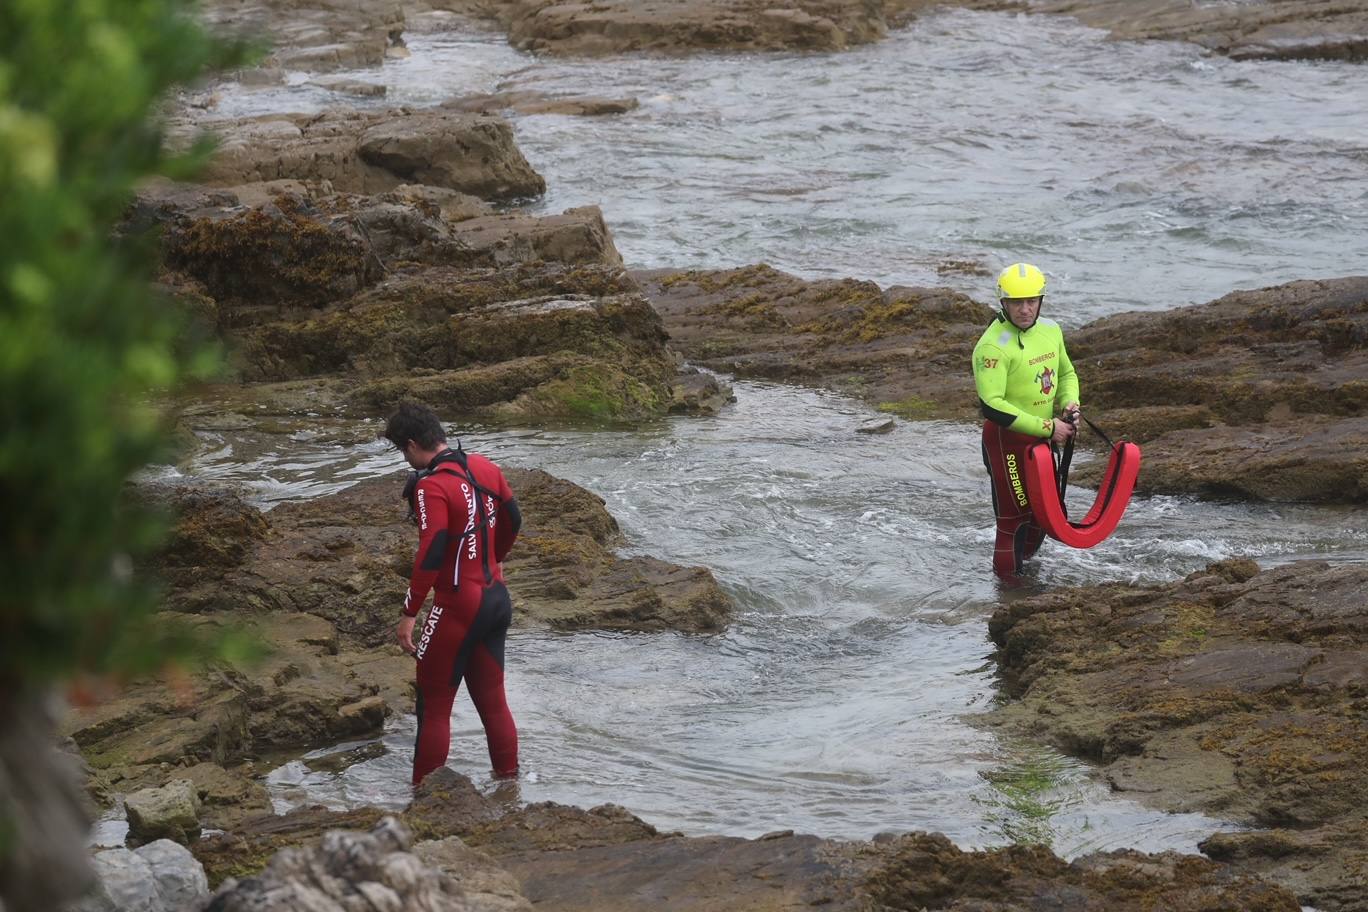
point(409, 450)
point(1022, 311)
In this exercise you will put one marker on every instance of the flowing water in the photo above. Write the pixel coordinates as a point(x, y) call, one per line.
point(1138, 175)
point(842, 699)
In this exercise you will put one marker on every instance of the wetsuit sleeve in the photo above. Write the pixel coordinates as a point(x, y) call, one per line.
point(1068, 378)
point(990, 378)
point(510, 521)
point(434, 536)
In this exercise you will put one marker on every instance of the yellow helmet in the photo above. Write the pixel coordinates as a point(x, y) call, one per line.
point(1021, 280)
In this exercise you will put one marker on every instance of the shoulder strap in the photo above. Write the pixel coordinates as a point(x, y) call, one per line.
point(480, 493)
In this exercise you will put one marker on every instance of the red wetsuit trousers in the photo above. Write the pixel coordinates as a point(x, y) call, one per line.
point(1018, 536)
point(463, 637)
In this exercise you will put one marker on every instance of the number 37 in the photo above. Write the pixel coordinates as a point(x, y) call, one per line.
point(990, 362)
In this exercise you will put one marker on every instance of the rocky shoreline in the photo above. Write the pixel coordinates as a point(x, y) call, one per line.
point(1275, 30)
point(352, 259)
point(1235, 691)
point(1209, 391)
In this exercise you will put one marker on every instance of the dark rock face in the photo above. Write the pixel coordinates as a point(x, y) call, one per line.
point(1236, 692)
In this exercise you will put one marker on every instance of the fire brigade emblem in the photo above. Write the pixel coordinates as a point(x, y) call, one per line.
point(1046, 380)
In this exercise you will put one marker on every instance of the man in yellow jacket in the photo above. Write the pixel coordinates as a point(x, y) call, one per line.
point(1024, 376)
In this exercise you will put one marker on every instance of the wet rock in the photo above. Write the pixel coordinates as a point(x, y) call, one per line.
point(453, 340)
point(562, 573)
point(532, 102)
point(370, 152)
point(303, 250)
point(505, 316)
point(1260, 394)
point(927, 871)
point(575, 236)
point(680, 25)
point(282, 252)
point(1232, 692)
point(567, 858)
point(170, 812)
point(350, 87)
point(339, 761)
point(303, 695)
point(446, 804)
point(876, 426)
point(903, 349)
point(1284, 30)
point(317, 35)
point(473, 154)
point(698, 393)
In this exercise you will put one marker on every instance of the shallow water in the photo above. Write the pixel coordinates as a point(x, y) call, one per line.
point(841, 700)
point(1139, 175)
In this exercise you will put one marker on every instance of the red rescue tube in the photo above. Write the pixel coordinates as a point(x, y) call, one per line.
point(1113, 496)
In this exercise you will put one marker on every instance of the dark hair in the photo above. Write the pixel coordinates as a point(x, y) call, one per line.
point(416, 422)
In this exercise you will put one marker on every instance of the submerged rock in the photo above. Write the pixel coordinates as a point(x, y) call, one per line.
point(1235, 692)
point(533, 102)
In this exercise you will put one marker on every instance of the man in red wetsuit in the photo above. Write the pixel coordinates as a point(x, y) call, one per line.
point(467, 522)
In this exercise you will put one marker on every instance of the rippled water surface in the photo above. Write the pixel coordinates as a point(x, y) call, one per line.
point(841, 701)
point(1140, 175)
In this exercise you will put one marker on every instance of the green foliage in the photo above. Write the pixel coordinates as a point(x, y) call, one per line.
point(83, 341)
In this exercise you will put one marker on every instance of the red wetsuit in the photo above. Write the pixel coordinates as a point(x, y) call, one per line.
point(1018, 536)
point(467, 522)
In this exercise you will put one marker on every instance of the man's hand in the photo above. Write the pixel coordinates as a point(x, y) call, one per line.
point(404, 633)
point(1073, 412)
point(1062, 431)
